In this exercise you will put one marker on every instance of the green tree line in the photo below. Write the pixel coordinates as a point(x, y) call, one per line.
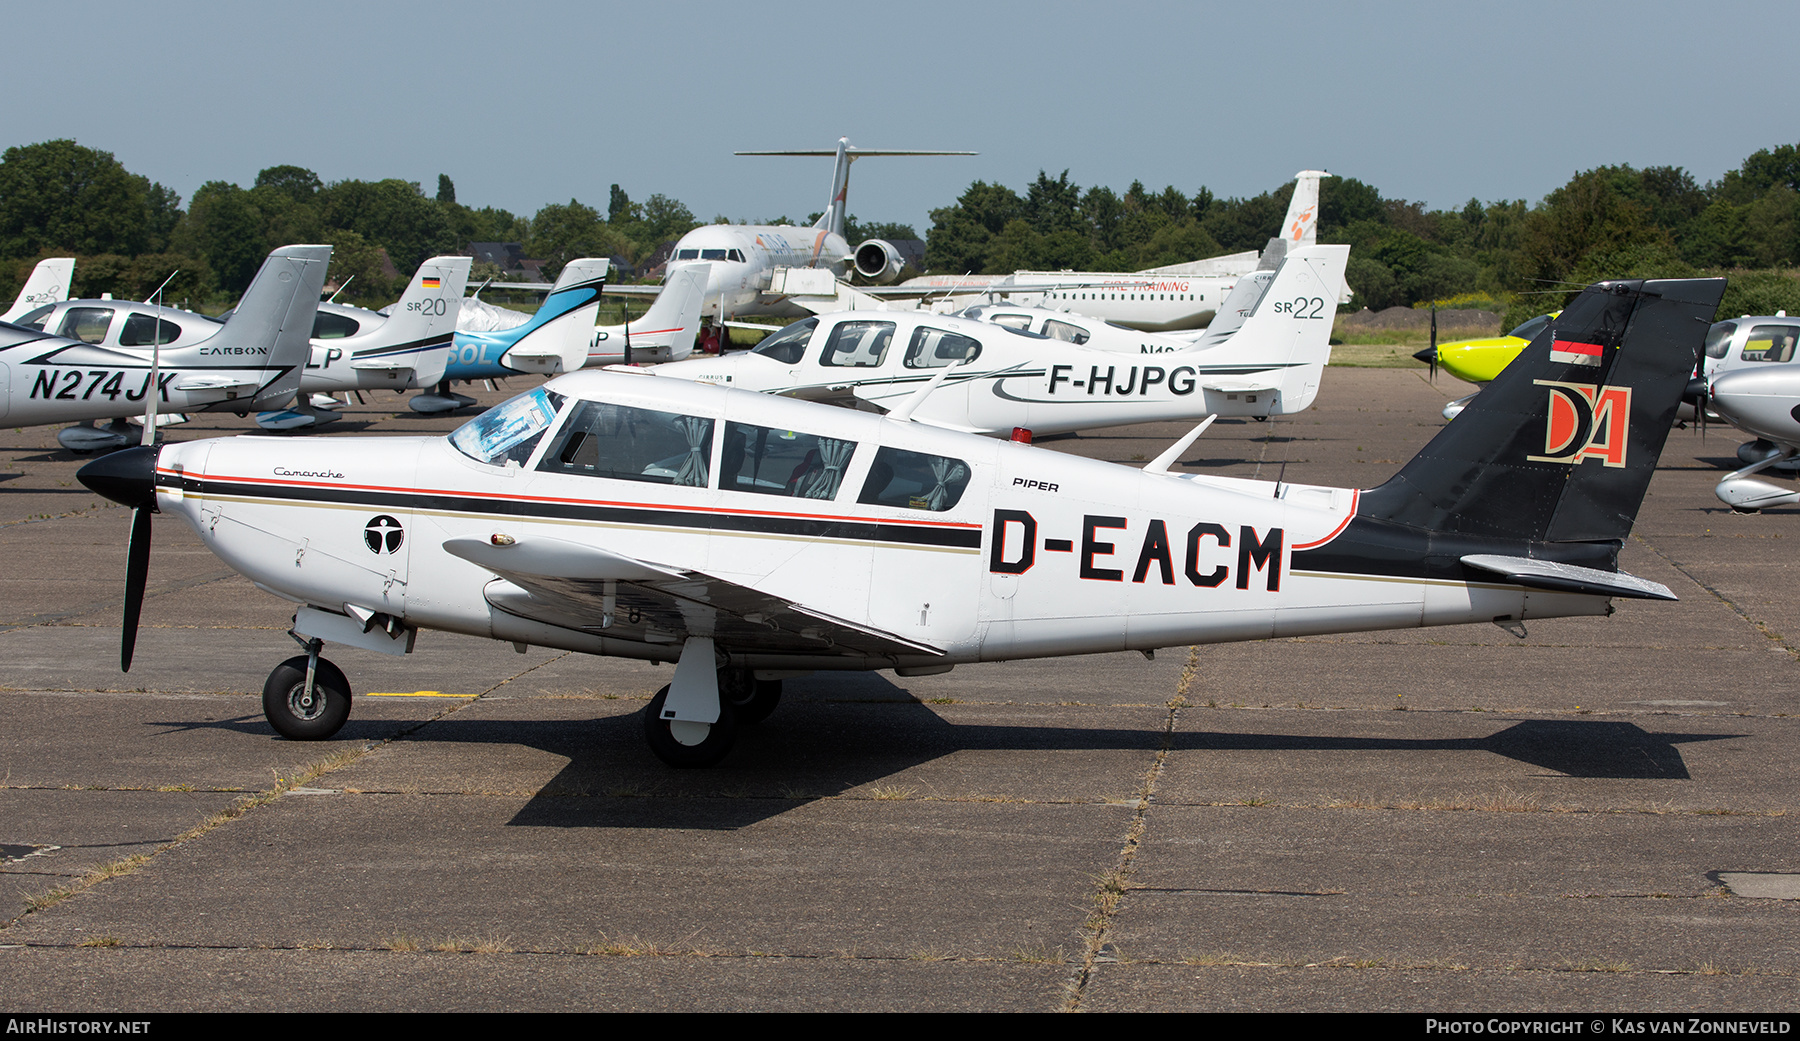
point(61, 198)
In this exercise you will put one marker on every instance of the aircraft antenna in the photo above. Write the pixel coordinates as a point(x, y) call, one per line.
point(1161, 464)
point(332, 299)
point(155, 362)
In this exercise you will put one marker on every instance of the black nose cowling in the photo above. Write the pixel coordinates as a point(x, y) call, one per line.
point(127, 478)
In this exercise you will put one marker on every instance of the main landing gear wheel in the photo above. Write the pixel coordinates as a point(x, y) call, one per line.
point(704, 744)
point(753, 699)
point(301, 715)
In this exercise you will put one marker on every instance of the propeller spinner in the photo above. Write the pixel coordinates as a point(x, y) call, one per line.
point(129, 479)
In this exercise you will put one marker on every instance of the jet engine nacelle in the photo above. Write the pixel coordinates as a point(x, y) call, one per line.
point(879, 261)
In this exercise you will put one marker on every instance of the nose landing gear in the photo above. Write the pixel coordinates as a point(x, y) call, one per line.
point(307, 698)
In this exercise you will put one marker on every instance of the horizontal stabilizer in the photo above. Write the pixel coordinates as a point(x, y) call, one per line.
point(1569, 578)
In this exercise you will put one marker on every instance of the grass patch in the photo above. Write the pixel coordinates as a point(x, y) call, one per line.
point(1384, 355)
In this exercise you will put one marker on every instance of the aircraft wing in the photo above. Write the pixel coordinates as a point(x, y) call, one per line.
point(608, 594)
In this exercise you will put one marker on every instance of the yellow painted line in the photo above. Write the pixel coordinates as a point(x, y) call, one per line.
point(418, 694)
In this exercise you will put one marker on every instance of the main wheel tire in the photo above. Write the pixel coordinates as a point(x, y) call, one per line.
point(659, 733)
point(294, 715)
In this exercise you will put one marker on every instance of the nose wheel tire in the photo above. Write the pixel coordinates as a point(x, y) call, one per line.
point(688, 745)
point(300, 715)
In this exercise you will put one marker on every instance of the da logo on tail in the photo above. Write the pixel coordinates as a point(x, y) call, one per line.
point(1585, 422)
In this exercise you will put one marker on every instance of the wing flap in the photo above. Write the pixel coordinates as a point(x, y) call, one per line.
point(604, 593)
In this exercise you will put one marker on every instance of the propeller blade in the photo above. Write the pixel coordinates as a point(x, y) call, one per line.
point(137, 571)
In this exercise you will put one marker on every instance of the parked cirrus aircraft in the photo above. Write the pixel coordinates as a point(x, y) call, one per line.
point(996, 378)
point(253, 361)
point(48, 283)
point(562, 336)
point(743, 535)
point(403, 351)
point(1750, 377)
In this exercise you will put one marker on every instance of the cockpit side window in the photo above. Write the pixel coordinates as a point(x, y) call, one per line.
point(1064, 331)
point(508, 433)
point(1771, 343)
point(144, 330)
point(860, 344)
point(87, 324)
point(1012, 321)
point(935, 348)
point(789, 345)
point(915, 481)
point(782, 462)
point(1529, 330)
point(330, 326)
point(632, 444)
point(35, 317)
point(1718, 339)
point(736, 255)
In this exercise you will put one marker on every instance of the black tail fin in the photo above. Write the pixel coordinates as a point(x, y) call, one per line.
point(1561, 446)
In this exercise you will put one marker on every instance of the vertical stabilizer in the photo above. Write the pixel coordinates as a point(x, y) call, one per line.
point(1301, 225)
point(48, 284)
point(418, 334)
point(275, 319)
point(557, 337)
point(1561, 446)
point(666, 331)
point(1285, 342)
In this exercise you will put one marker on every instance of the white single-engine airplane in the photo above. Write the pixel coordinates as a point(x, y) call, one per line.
point(743, 535)
point(997, 379)
point(1750, 377)
point(249, 363)
point(49, 283)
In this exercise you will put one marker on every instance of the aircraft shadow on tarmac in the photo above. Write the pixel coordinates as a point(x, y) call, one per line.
point(817, 745)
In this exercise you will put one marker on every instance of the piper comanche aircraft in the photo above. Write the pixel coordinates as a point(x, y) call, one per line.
point(49, 282)
point(249, 363)
point(1750, 377)
point(1001, 380)
point(562, 336)
point(744, 536)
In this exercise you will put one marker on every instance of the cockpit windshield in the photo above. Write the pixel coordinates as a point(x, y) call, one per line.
point(789, 345)
point(1529, 330)
point(510, 431)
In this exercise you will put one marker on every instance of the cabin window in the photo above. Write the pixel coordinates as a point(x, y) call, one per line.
point(1530, 329)
point(34, 318)
point(1065, 331)
point(860, 345)
point(915, 481)
point(1718, 339)
point(329, 326)
point(632, 444)
point(935, 348)
point(506, 434)
point(789, 345)
point(87, 324)
point(145, 330)
point(687, 254)
point(1771, 343)
point(782, 462)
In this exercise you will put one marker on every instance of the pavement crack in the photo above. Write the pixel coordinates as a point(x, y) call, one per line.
point(1111, 886)
point(1760, 626)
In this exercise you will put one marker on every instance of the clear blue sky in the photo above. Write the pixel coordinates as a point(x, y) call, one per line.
point(524, 104)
